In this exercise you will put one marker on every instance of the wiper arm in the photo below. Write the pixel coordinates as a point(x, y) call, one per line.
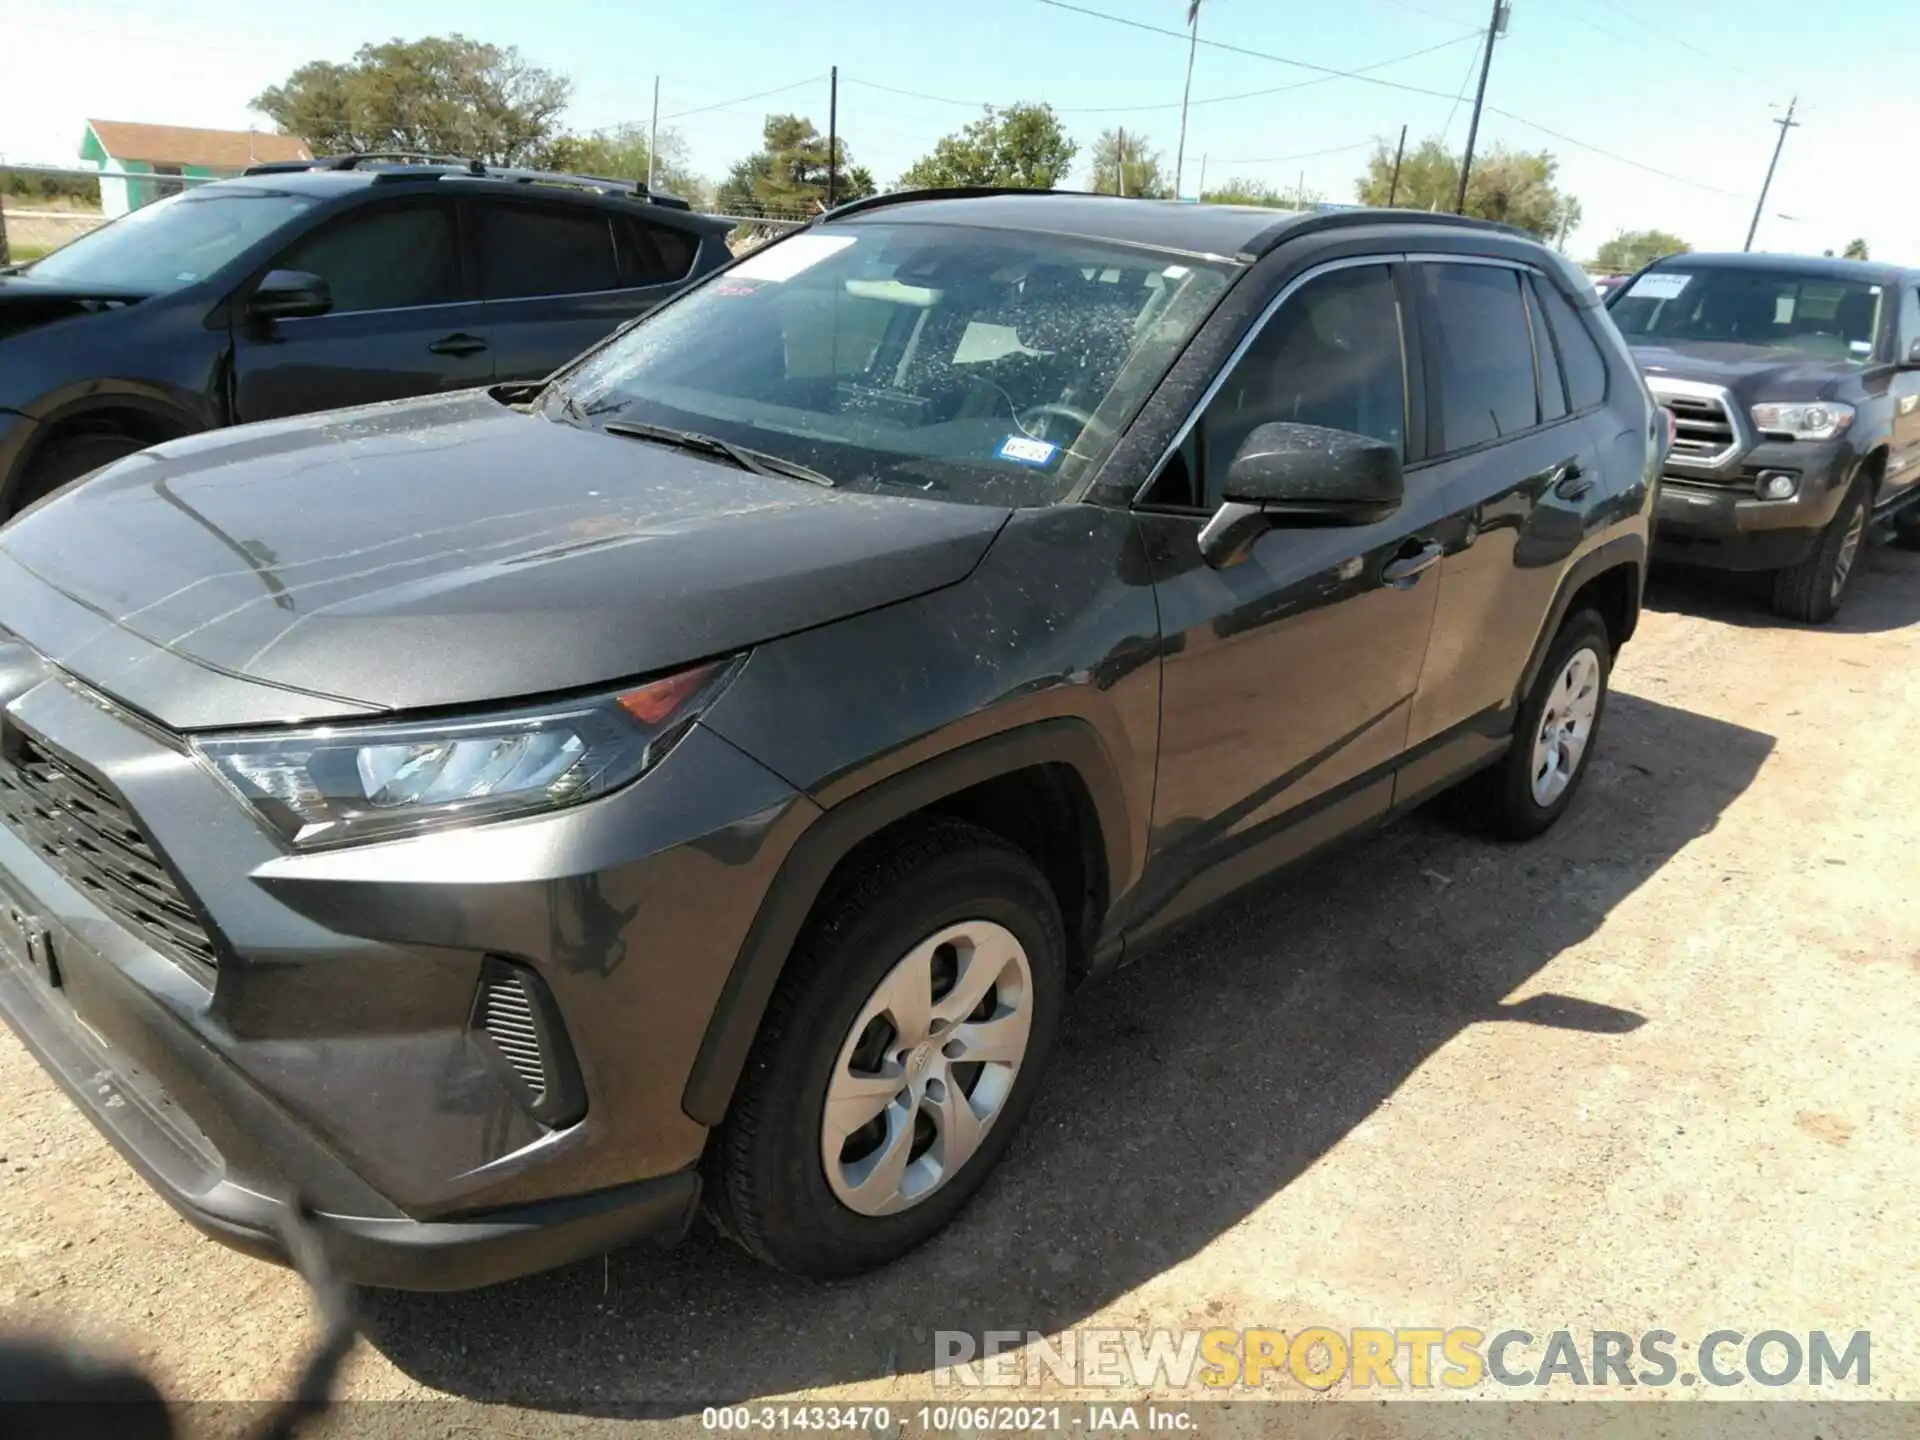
point(759, 462)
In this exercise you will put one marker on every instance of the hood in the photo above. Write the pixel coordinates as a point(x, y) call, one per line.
point(1752, 372)
point(27, 303)
point(448, 552)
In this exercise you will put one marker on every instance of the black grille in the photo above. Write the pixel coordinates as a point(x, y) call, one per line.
point(87, 835)
point(506, 1014)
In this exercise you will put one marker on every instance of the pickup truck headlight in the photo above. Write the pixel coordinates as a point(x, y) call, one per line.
point(344, 784)
point(1819, 420)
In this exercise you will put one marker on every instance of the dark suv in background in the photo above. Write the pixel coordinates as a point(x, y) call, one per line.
point(1794, 384)
point(310, 285)
point(511, 817)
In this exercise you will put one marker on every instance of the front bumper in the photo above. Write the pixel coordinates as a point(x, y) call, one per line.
point(1715, 520)
point(332, 1052)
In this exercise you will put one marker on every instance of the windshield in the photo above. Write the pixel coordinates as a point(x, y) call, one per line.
point(171, 243)
point(1825, 319)
point(968, 364)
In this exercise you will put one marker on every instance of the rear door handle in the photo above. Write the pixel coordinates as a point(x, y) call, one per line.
point(1569, 481)
point(1405, 572)
point(458, 344)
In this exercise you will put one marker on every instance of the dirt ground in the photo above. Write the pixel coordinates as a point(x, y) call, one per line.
point(1655, 1071)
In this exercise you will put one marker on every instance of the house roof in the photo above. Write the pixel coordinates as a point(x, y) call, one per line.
point(183, 145)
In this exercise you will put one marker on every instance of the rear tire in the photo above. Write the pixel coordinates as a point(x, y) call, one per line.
point(1813, 591)
point(820, 1200)
point(65, 458)
point(1531, 786)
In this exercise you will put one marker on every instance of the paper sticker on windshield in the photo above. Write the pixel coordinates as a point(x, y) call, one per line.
point(1658, 287)
point(1024, 451)
point(785, 259)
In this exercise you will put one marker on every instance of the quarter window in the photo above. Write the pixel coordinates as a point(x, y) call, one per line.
point(384, 260)
point(1586, 368)
point(1485, 353)
point(1553, 394)
point(654, 254)
point(526, 250)
point(1331, 355)
point(1909, 321)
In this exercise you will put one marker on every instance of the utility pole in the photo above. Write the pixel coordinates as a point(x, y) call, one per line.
point(1120, 163)
point(1193, 44)
point(653, 135)
point(1785, 125)
point(1496, 27)
point(1203, 176)
point(1300, 200)
point(833, 135)
point(1393, 185)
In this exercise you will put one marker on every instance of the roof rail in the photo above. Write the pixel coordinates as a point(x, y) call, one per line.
point(411, 165)
point(946, 192)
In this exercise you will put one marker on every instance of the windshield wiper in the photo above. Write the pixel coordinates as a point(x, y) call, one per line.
point(757, 461)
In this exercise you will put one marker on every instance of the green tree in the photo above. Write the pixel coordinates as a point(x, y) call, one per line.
point(1239, 191)
point(786, 178)
point(1631, 249)
point(1021, 146)
point(1856, 250)
point(1513, 186)
point(1123, 155)
point(444, 94)
point(621, 153)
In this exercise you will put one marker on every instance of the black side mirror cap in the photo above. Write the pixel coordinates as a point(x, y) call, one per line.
point(1912, 359)
point(289, 294)
point(1301, 475)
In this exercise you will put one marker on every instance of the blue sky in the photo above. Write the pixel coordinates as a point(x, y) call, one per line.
point(1684, 86)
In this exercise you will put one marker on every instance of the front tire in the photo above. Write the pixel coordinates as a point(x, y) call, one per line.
point(1531, 786)
point(1813, 591)
point(64, 459)
point(899, 1054)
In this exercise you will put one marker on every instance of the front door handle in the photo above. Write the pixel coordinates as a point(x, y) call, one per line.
point(1569, 481)
point(459, 343)
point(1404, 573)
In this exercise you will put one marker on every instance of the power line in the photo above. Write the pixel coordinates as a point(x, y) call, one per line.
point(741, 100)
point(1666, 36)
point(1303, 155)
point(1171, 104)
point(1410, 89)
point(1461, 95)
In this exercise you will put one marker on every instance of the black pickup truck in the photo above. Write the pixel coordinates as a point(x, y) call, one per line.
point(1794, 384)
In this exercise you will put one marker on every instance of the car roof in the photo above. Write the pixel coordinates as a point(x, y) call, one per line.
point(1822, 267)
point(1226, 231)
point(326, 184)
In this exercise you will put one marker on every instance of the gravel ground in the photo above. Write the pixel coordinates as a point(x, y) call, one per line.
point(1655, 1071)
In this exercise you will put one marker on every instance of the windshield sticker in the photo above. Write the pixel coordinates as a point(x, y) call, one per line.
point(1025, 451)
point(785, 259)
point(730, 286)
point(1658, 287)
point(1860, 347)
point(1783, 310)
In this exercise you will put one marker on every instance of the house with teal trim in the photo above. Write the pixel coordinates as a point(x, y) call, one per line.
point(175, 156)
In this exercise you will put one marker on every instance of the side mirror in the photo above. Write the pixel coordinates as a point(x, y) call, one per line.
point(289, 294)
point(1301, 475)
point(1912, 360)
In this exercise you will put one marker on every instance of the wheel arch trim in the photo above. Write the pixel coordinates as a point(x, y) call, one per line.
point(804, 873)
point(1625, 551)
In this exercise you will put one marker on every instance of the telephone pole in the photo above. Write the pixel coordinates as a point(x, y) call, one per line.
point(833, 135)
point(1393, 185)
point(1496, 27)
point(653, 134)
point(1120, 163)
point(1193, 44)
point(1785, 125)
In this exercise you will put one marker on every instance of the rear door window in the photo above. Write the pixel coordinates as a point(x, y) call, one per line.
point(653, 254)
point(1546, 359)
point(528, 250)
point(1479, 335)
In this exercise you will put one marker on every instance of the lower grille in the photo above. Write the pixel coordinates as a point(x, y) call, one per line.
point(506, 1014)
point(79, 827)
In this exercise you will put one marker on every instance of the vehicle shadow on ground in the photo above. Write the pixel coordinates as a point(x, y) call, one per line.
point(1188, 1090)
point(1885, 595)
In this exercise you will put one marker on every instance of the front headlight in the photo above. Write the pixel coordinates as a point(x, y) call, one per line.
point(1819, 420)
point(343, 784)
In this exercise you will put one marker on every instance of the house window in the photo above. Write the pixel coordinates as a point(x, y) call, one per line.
point(169, 182)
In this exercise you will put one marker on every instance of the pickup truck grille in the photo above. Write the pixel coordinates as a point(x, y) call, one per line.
point(1705, 433)
point(77, 826)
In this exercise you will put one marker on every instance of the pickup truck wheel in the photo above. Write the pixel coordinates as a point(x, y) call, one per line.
point(1530, 787)
point(1813, 590)
point(899, 1053)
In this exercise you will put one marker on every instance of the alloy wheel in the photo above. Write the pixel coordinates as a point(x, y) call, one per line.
point(1566, 725)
